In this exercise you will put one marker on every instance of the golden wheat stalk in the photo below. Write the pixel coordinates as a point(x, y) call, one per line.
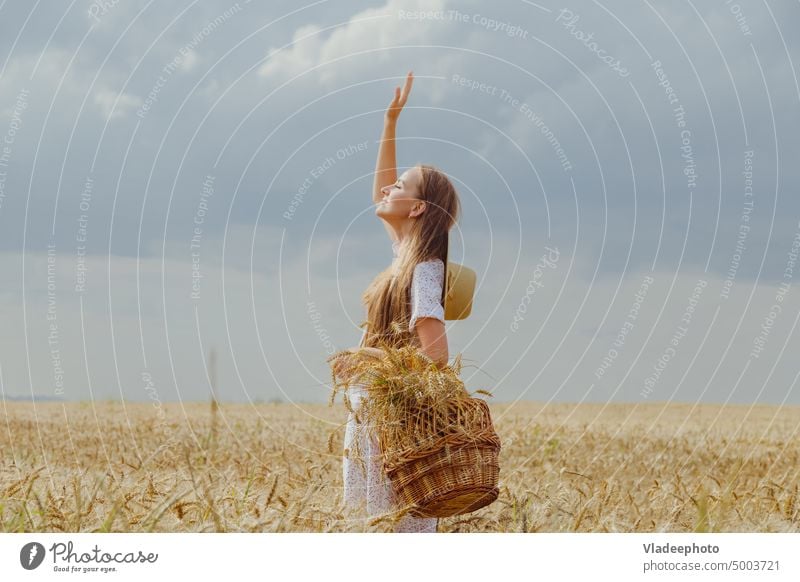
point(409, 399)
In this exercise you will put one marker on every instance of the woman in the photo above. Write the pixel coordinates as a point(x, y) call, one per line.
point(404, 302)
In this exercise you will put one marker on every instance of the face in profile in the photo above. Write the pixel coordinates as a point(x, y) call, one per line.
point(401, 199)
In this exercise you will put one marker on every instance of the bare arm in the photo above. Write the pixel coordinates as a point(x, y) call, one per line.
point(386, 165)
point(433, 339)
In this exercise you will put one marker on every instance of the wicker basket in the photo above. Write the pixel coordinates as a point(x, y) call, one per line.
point(455, 473)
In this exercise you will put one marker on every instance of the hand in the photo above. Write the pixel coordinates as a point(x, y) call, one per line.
point(344, 362)
point(341, 365)
point(396, 106)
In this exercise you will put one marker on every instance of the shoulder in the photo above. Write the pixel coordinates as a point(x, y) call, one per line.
point(426, 291)
point(429, 272)
point(432, 266)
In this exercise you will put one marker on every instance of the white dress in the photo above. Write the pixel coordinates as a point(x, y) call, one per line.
point(373, 490)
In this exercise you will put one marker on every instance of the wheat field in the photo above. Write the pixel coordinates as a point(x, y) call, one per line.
point(192, 467)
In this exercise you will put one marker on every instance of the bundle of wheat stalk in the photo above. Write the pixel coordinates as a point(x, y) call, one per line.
point(438, 445)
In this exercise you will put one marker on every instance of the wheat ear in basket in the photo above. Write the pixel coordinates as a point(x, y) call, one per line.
point(439, 447)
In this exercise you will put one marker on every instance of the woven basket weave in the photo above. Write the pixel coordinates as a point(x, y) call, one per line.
point(456, 473)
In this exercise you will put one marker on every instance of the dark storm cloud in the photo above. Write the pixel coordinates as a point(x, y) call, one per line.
point(131, 109)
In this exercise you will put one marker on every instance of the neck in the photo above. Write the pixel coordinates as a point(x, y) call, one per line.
point(404, 232)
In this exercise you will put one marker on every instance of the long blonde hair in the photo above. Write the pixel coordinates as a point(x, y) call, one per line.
point(388, 297)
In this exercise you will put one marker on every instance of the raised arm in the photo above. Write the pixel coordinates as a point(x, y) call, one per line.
point(386, 165)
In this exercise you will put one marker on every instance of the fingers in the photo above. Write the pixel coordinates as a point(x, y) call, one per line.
point(338, 364)
point(341, 366)
point(400, 96)
point(407, 87)
point(395, 98)
point(371, 352)
point(345, 364)
point(409, 81)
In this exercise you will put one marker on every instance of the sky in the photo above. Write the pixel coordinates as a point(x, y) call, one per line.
point(182, 178)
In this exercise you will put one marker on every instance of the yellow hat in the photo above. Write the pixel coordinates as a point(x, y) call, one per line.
point(459, 290)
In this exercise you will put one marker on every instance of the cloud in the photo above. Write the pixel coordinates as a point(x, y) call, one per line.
point(273, 329)
point(113, 104)
point(379, 27)
point(300, 298)
point(300, 57)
